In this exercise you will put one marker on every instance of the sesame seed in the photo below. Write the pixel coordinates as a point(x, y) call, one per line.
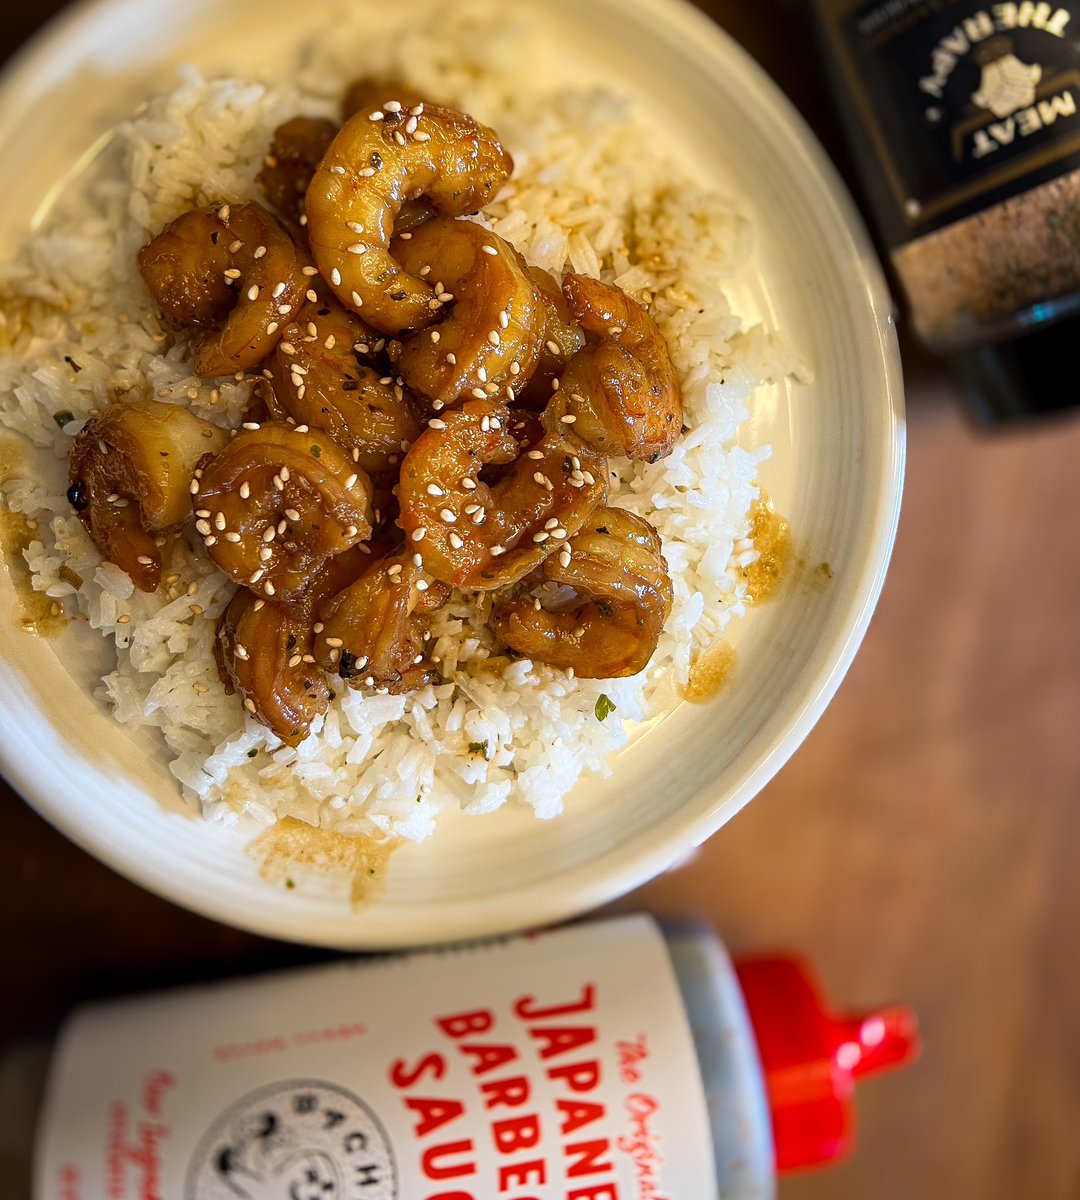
point(278, 485)
point(351, 531)
point(355, 226)
point(504, 320)
point(418, 535)
point(312, 295)
point(259, 252)
point(249, 704)
point(265, 552)
point(310, 272)
point(493, 338)
point(313, 329)
point(279, 290)
point(269, 533)
point(232, 273)
point(256, 575)
point(270, 589)
point(468, 483)
point(552, 524)
point(232, 536)
point(285, 475)
point(568, 418)
point(394, 570)
point(337, 169)
point(335, 643)
point(482, 375)
point(335, 277)
point(433, 489)
point(536, 455)
point(497, 550)
point(194, 488)
point(253, 292)
point(367, 172)
point(146, 562)
point(405, 237)
point(471, 508)
point(448, 516)
point(452, 359)
point(392, 106)
point(219, 521)
point(296, 660)
point(271, 328)
point(445, 297)
point(536, 603)
point(251, 425)
point(351, 480)
point(479, 393)
point(377, 115)
point(358, 301)
point(436, 336)
point(210, 541)
point(554, 385)
point(292, 515)
point(358, 248)
point(515, 367)
point(410, 125)
point(422, 137)
point(456, 541)
point(478, 517)
point(492, 250)
point(542, 536)
point(123, 619)
point(435, 423)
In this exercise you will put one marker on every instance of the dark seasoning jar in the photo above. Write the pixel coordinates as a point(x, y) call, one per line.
point(965, 122)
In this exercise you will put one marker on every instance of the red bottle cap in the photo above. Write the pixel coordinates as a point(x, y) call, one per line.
point(811, 1058)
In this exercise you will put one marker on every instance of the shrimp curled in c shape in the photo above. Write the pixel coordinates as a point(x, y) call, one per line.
point(620, 393)
point(492, 337)
point(379, 161)
point(277, 503)
point(482, 536)
point(232, 271)
point(373, 630)
point(621, 598)
point(130, 473)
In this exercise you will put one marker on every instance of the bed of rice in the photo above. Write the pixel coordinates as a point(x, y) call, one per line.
point(587, 196)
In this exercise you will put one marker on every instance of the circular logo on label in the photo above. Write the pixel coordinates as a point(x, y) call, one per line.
point(295, 1140)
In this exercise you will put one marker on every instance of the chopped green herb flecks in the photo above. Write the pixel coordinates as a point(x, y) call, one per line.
point(604, 707)
point(64, 417)
point(478, 748)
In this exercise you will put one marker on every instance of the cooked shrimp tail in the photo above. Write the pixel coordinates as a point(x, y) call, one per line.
point(130, 471)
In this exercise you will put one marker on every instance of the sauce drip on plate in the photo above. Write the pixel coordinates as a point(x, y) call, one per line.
point(291, 847)
point(711, 673)
point(771, 535)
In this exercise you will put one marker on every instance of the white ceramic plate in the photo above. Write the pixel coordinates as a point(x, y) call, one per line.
point(836, 472)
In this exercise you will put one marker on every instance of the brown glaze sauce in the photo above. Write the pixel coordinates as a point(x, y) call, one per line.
point(37, 613)
point(772, 539)
point(711, 673)
point(290, 847)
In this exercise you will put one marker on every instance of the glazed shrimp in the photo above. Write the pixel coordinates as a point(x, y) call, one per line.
point(129, 470)
point(277, 503)
point(622, 596)
point(264, 651)
point(378, 161)
point(484, 536)
point(492, 337)
point(561, 338)
point(372, 633)
point(620, 393)
point(295, 152)
point(317, 378)
point(233, 266)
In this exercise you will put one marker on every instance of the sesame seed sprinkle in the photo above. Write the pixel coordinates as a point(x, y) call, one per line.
point(146, 562)
point(568, 418)
point(492, 250)
point(448, 516)
point(259, 252)
point(456, 541)
point(479, 394)
point(335, 277)
point(418, 535)
point(309, 271)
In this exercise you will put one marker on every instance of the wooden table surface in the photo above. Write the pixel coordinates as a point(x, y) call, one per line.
point(923, 846)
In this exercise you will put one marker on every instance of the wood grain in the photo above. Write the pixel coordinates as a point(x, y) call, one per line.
point(923, 845)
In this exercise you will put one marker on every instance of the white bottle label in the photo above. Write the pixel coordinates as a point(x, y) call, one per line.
point(555, 1067)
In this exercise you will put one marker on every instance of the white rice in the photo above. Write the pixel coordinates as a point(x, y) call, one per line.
point(588, 195)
